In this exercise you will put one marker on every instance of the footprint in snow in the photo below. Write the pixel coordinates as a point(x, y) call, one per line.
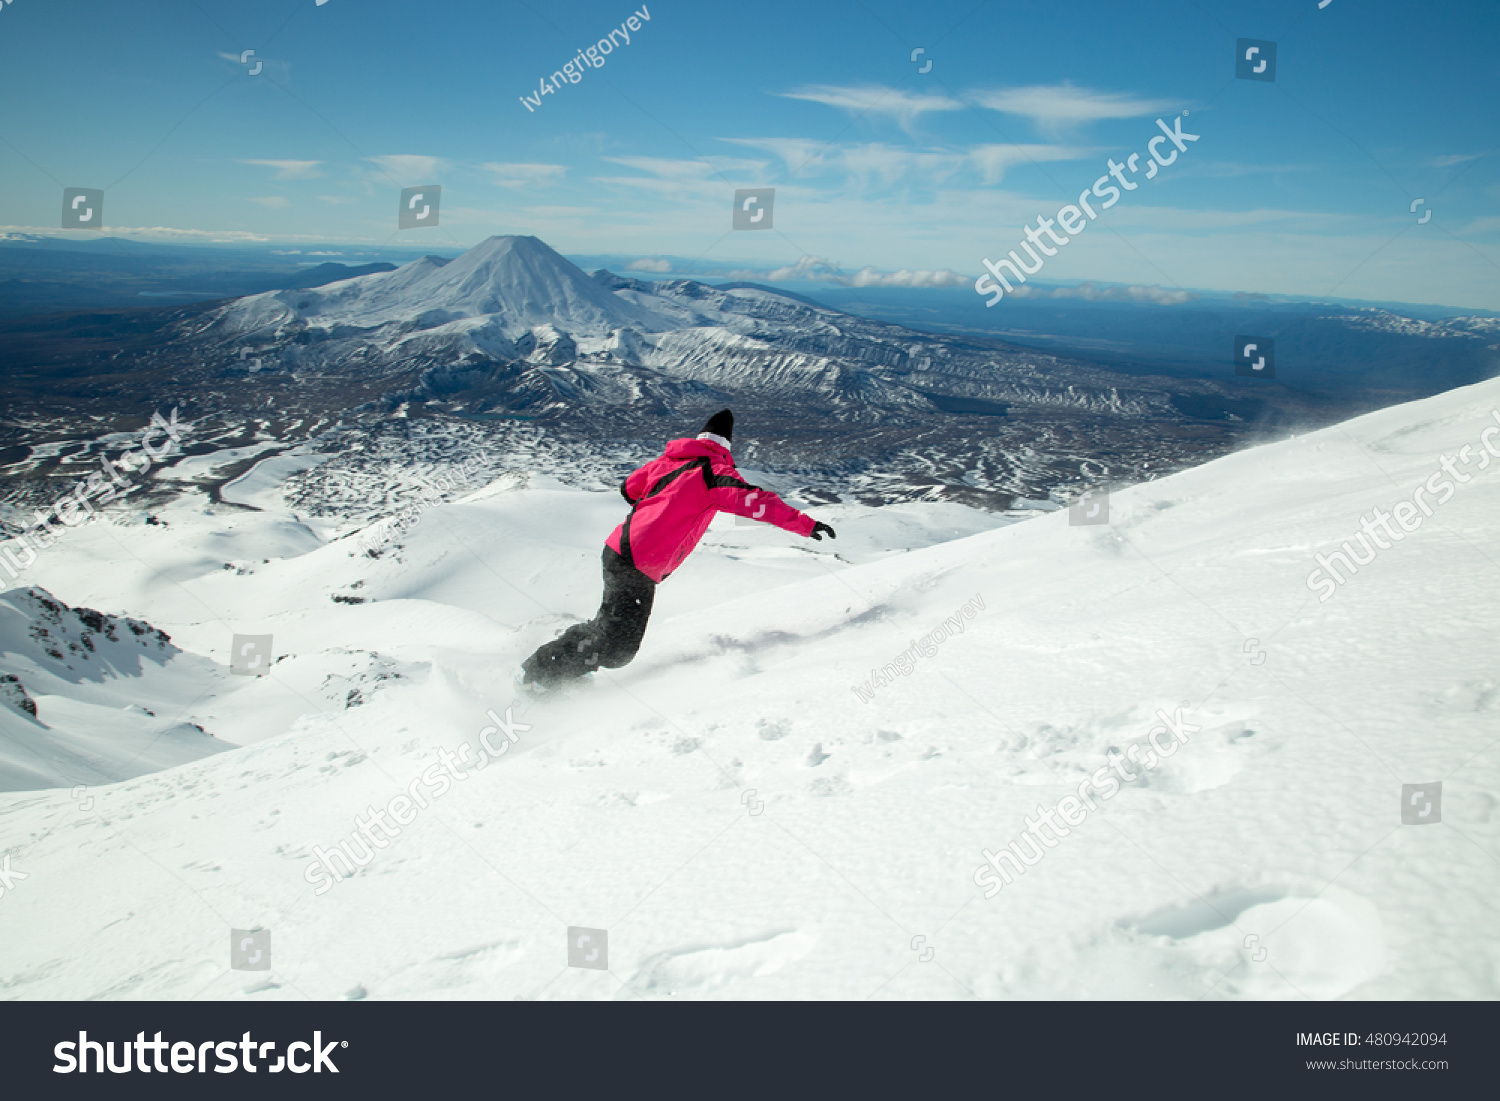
point(1267, 942)
point(699, 970)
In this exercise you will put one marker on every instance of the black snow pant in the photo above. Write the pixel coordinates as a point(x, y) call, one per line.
point(610, 639)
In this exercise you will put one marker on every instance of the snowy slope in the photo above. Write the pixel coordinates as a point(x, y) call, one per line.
point(743, 823)
point(88, 698)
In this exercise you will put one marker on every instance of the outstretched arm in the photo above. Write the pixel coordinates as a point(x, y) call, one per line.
point(733, 495)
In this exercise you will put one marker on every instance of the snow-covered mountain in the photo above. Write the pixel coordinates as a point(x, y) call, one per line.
point(514, 297)
point(1375, 319)
point(514, 284)
point(791, 791)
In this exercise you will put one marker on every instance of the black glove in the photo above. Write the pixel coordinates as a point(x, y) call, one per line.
point(819, 528)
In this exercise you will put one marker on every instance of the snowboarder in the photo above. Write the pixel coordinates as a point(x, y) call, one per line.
point(673, 499)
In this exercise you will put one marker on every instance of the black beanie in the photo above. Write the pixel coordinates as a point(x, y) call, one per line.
point(721, 424)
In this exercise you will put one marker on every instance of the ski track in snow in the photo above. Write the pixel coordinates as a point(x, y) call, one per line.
point(739, 822)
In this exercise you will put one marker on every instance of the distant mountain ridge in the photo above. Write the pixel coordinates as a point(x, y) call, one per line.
point(329, 272)
point(42, 276)
point(512, 331)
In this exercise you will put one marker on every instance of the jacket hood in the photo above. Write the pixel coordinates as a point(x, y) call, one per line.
point(688, 448)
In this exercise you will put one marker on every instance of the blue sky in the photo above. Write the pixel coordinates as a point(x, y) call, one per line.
point(1301, 186)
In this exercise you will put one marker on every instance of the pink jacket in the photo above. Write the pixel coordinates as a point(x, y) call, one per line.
point(677, 495)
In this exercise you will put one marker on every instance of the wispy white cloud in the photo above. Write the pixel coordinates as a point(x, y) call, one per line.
point(290, 170)
point(993, 161)
point(684, 182)
point(275, 202)
point(815, 269)
point(668, 190)
point(236, 235)
point(922, 277)
point(800, 155)
point(876, 99)
point(721, 170)
point(876, 162)
point(524, 175)
point(409, 169)
point(179, 233)
point(868, 162)
point(1455, 158)
point(666, 168)
point(674, 181)
point(1055, 108)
